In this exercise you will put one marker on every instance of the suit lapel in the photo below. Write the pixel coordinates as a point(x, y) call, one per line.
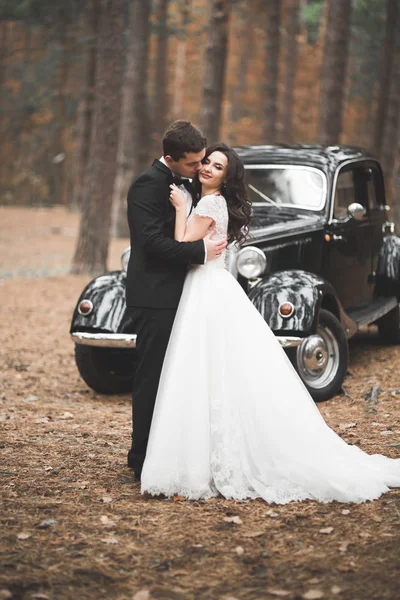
point(159, 165)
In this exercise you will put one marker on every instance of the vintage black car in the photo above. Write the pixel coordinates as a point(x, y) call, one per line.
point(321, 262)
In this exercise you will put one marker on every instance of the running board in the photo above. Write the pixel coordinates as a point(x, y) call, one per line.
point(372, 312)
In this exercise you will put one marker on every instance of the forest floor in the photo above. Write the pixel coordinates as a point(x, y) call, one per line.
point(74, 525)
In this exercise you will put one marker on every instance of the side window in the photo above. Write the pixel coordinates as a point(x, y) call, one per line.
point(373, 180)
point(360, 184)
point(366, 179)
point(345, 193)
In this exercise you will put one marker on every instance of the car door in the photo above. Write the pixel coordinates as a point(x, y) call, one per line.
point(375, 191)
point(349, 259)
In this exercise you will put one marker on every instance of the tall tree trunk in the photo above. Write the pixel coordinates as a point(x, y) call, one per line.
point(387, 61)
point(392, 123)
point(160, 105)
point(57, 152)
point(180, 61)
point(334, 71)
point(290, 43)
point(395, 204)
point(4, 49)
point(94, 232)
point(133, 113)
point(271, 71)
point(214, 77)
point(86, 104)
point(248, 18)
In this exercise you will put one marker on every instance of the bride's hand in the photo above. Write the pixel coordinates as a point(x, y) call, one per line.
point(176, 197)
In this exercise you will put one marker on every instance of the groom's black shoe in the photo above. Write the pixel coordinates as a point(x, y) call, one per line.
point(138, 472)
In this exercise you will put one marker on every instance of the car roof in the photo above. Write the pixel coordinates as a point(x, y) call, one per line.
point(327, 158)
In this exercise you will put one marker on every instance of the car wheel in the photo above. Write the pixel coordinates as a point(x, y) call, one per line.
point(106, 370)
point(321, 359)
point(389, 326)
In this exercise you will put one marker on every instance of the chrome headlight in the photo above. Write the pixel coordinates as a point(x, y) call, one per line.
point(251, 262)
point(125, 259)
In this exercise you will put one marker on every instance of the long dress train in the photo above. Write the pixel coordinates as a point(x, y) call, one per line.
point(233, 417)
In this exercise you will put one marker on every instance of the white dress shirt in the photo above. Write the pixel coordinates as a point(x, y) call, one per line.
point(185, 192)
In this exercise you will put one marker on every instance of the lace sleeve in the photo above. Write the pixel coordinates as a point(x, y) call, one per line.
point(208, 207)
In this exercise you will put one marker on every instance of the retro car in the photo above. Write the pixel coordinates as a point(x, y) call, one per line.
point(321, 261)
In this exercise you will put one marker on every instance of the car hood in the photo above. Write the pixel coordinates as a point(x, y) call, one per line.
point(275, 222)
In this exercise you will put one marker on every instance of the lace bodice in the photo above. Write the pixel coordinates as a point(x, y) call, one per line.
point(214, 206)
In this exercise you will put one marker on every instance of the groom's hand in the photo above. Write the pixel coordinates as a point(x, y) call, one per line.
point(214, 248)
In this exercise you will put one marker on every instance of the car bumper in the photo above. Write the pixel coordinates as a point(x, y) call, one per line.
point(105, 340)
point(289, 341)
point(128, 340)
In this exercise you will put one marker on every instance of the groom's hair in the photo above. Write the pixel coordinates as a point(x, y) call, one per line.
point(182, 137)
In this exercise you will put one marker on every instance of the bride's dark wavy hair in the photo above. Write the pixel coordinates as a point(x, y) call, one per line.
point(234, 192)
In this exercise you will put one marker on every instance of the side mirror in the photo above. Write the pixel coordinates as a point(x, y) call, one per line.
point(356, 211)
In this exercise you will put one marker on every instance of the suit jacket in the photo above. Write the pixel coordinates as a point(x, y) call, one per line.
point(157, 264)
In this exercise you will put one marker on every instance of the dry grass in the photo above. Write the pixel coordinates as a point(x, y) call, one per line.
point(63, 460)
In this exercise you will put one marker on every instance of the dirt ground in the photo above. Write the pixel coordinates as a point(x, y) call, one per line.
point(74, 525)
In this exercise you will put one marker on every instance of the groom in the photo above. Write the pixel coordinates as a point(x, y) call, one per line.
point(157, 268)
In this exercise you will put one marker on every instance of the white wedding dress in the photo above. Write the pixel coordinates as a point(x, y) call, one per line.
point(232, 416)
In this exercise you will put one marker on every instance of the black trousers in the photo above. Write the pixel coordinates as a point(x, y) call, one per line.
point(153, 328)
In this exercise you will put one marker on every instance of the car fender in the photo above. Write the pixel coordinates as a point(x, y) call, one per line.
point(306, 291)
point(387, 282)
point(109, 314)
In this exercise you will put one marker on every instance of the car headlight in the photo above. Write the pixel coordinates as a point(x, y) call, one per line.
point(251, 262)
point(125, 259)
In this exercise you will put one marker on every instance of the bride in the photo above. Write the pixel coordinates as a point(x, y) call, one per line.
point(232, 417)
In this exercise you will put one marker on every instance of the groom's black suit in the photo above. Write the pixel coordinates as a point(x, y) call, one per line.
point(156, 273)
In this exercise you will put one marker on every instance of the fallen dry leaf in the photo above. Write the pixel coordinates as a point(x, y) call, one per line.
point(376, 518)
point(344, 426)
point(142, 595)
point(272, 514)
point(66, 415)
point(253, 534)
point(31, 398)
point(326, 530)
point(179, 498)
point(47, 523)
point(107, 499)
point(343, 547)
point(236, 520)
point(106, 521)
point(313, 595)
point(279, 593)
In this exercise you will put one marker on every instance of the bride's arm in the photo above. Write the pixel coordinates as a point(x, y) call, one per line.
point(198, 226)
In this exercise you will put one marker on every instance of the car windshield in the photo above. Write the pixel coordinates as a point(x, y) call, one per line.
point(290, 186)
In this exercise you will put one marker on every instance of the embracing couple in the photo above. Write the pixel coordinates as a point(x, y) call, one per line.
point(217, 405)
